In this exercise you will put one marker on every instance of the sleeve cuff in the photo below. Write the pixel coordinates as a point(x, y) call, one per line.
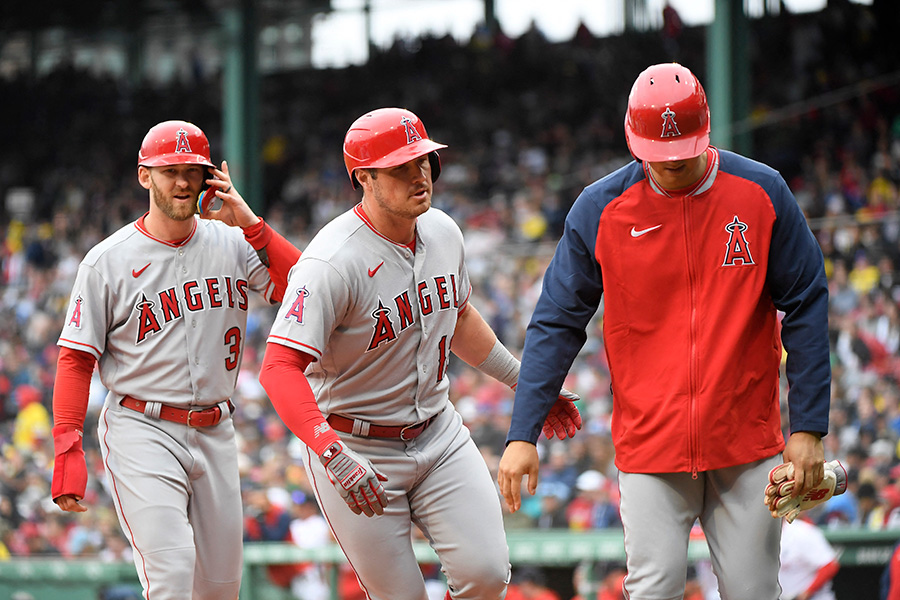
point(258, 235)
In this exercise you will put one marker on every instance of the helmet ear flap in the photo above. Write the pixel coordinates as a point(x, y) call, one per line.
point(434, 159)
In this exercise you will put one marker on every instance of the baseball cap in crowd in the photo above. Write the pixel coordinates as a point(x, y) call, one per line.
point(557, 489)
point(590, 481)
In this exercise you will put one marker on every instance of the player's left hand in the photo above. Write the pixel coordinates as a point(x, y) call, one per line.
point(235, 211)
point(563, 420)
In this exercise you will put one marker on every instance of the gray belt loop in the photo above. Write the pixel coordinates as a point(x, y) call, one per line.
point(151, 409)
point(360, 428)
point(224, 410)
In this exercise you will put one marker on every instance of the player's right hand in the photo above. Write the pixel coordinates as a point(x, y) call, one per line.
point(519, 459)
point(69, 468)
point(781, 501)
point(354, 477)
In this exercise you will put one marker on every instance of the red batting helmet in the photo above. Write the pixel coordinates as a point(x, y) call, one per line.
point(174, 143)
point(388, 137)
point(668, 116)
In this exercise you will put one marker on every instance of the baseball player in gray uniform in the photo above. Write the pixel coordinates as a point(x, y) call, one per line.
point(372, 311)
point(161, 305)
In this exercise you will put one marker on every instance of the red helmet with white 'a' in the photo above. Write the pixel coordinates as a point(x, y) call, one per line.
point(668, 115)
point(388, 137)
point(174, 143)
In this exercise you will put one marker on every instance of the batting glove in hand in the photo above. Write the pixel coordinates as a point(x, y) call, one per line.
point(69, 466)
point(563, 420)
point(781, 484)
point(355, 479)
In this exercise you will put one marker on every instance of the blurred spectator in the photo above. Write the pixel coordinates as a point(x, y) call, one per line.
point(32, 425)
point(592, 507)
point(808, 562)
point(606, 578)
point(693, 587)
point(872, 512)
point(309, 530)
point(553, 497)
point(268, 520)
point(529, 583)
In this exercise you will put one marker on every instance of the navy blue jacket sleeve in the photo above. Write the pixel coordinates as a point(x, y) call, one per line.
point(799, 288)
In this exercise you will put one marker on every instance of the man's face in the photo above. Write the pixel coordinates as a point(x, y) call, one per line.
point(174, 189)
point(404, 190)
point(679, 174)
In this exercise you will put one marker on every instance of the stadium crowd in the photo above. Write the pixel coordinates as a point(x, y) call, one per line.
point(528, 123)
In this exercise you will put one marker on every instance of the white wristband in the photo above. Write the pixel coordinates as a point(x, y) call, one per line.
point(501, 365)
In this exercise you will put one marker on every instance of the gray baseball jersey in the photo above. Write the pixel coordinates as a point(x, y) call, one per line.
point(362, 304)
point(379, 318)
point(166, 323)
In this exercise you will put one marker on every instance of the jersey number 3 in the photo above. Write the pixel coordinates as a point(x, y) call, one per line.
point(233, 342)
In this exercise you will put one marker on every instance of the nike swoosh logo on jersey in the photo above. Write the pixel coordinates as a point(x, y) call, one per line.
point(138, 273)
point(375, 270)
point(640, 232)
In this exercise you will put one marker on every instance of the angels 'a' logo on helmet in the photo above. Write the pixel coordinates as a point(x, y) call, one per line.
point(412, 135)
point(669, 126)
point(181, 143)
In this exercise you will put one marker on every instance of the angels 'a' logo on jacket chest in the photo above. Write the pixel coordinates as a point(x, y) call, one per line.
point(434, 295)
point(737, 248)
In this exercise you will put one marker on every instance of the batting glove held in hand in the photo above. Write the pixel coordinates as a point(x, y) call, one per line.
point(563, 420)
point(781, 484)
point(354, 477)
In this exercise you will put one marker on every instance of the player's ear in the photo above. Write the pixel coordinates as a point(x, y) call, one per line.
point(143, 174)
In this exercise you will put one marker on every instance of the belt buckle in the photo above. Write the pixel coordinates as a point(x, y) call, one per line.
point(190, 413)
point(403, 432)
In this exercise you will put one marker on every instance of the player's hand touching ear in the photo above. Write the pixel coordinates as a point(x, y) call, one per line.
point(354, 477)
point(235, 211)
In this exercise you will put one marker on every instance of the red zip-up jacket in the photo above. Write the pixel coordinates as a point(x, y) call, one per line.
point(691, 284)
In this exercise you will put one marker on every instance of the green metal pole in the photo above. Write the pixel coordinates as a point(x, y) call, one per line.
point(240, 112)
point(718, 77)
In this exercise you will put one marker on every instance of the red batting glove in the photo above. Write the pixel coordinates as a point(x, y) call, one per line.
point(69, 466)
point(563, 420)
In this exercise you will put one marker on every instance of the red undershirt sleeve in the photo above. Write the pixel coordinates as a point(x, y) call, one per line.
point(823, 576)
point(893, 592)
point(278, 254)
point(72, 388)
point(282, 377)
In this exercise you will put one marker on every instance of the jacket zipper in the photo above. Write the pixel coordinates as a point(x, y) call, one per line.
point(693, 366)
